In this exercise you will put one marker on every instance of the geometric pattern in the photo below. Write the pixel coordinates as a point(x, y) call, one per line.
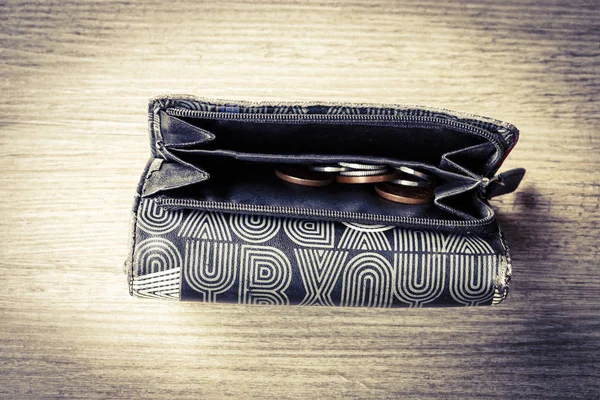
point(265, 275)
point(210, 267)
point(254, 228)
point(367, 281)
point(155, 254)
point(320, 270)
point(253, 259)
point(205, 225)
point(164, 284)
point(156, 220)
point(310, 233)
point(363, 237)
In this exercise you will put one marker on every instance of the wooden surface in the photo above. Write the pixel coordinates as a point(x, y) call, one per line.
point(74, 83)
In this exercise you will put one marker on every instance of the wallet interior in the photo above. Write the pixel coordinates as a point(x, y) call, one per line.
point(240, 157)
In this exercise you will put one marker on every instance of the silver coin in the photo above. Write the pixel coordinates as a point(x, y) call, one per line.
point(364, 173)
point(362, 167)
point(415, 173)
point(328, 168)
point(406, 182)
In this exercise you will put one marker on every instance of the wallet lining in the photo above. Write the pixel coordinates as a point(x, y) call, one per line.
point(249, 179)
point(421, 144)
point(239, 156)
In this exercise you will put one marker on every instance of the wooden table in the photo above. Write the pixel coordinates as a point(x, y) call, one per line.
point(75, 79)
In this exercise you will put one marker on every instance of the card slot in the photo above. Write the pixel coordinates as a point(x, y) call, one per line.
point(475, 160)
point(415, 141)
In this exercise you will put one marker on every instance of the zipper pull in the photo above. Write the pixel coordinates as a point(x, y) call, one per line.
point(504, 183)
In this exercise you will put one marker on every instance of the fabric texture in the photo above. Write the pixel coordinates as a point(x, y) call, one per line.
point(246, 259)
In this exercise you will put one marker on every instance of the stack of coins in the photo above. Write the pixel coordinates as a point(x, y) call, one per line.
point(409, 187)
point(303, 175)
point(364, 173)
point(399, 184)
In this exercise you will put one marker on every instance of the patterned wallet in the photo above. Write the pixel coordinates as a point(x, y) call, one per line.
point(281, 203)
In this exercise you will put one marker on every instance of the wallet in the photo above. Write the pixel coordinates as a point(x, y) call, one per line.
point(330, 204)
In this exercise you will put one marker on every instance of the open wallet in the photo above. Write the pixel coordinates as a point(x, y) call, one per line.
point(330, 204)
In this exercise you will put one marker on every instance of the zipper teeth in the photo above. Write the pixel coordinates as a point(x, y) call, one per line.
point(186, 113)
point(304, 212)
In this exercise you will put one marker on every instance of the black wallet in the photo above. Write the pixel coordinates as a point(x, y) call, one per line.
point(325, 204)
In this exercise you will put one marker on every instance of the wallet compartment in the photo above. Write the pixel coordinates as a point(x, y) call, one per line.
point(229, 158)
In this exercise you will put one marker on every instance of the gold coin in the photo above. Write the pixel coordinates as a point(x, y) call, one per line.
point(303, 175)
point(404, 194)
point(365, 178)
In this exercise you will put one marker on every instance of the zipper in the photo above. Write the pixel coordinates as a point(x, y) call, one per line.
point(416, 121)
point(308, 212)
point(410, 121)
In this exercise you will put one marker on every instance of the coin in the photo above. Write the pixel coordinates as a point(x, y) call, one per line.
point(404, 194)
point(302, 175)
point(406, 182)
point(328, 168)
point(364, 172)
point(361, 166)
point(416, 173)
point(365, 178)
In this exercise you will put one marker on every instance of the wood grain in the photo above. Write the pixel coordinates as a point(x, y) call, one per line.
point(75, 78)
